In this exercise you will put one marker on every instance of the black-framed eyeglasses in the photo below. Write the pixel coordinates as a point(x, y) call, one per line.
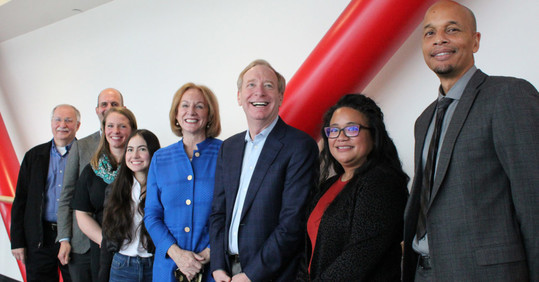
point(349, 131)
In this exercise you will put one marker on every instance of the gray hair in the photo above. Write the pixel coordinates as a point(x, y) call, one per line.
point(77, 113)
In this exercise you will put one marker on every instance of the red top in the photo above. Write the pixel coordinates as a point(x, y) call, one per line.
point(316, 215)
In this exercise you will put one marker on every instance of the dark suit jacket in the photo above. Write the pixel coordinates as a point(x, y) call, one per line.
point(79, 156)
point(271, 229)
point(27, 209)
point(483, 217)
point(360, 232)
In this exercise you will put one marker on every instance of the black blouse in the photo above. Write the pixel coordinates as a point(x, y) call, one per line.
point(360, 232)
point(90, 194)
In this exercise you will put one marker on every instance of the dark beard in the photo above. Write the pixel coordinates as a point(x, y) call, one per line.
point(443, 70)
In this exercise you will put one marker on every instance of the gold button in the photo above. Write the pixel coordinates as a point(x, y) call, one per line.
point(187, 229)
point(189, 177)
point(188, 202)
point(197, 154)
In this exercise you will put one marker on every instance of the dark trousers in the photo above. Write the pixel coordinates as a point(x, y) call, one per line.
point(423, 273)
point(95, 254)
point(235, 264)
point(42, 263)
point(79, 267)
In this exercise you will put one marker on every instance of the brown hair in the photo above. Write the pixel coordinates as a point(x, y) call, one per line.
point(104, 146)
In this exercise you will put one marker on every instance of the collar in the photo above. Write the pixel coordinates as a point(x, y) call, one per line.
point(61, 150)
point(456, 91)
point(264, 133)
point(135, 182)
point(200, 146)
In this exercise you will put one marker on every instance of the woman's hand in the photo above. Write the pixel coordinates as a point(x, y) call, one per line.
point(188, 262)
point(205, 254)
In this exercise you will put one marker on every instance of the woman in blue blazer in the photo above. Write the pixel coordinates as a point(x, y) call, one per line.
point(180, 187)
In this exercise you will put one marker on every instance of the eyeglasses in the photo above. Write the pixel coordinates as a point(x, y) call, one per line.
point(349, 131)
point(66, 120)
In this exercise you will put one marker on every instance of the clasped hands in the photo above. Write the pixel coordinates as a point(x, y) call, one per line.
point(188, 262)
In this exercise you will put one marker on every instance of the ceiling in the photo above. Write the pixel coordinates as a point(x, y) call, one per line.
point(18, 17)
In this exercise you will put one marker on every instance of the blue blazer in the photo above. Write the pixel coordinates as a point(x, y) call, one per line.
point(271, 230)
point(178, 202)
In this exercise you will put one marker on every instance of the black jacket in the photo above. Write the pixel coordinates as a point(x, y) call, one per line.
point(27, 209)
point(360, 232)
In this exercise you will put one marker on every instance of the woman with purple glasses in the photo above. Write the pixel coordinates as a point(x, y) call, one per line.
point(355, 220)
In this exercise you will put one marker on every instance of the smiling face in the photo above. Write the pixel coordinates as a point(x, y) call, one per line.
point(259, 96)
point(350, 152)
point(449, 39)
point(64, 125)
point(192, 113)
point(117, 130)
point(137, 156)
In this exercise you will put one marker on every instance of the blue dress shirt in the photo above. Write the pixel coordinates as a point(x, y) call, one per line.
point(55, 180)
point(253, 148)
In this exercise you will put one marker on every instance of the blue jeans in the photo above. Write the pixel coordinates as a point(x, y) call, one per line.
point(126, 268)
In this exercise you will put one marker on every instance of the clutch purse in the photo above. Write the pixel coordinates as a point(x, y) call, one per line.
point(180, 277)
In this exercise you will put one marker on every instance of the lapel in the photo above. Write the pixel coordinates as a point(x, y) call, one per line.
point(454, 128)
point(420, 132)
point(233, 165)
point(43, 164)
point(86, 148)
point(269, 153)
point(421, 129)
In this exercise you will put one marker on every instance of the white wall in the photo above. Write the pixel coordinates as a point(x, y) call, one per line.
point(405, 86)
point(148, 49)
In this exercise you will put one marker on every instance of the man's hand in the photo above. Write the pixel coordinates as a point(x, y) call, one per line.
point(19, 254)
point(241, 277)
point(221, 276)
point(63, 253)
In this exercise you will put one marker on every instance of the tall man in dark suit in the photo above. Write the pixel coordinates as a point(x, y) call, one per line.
point(473, 212)
point(75, 245)
point(262, 181)
point(34, 211)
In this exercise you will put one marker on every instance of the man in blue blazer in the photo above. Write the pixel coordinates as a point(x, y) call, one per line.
point(482, 217)
point(262, 181)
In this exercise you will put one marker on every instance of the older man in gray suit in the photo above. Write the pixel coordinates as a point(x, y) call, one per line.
point(74, 245)
point(473, 212)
